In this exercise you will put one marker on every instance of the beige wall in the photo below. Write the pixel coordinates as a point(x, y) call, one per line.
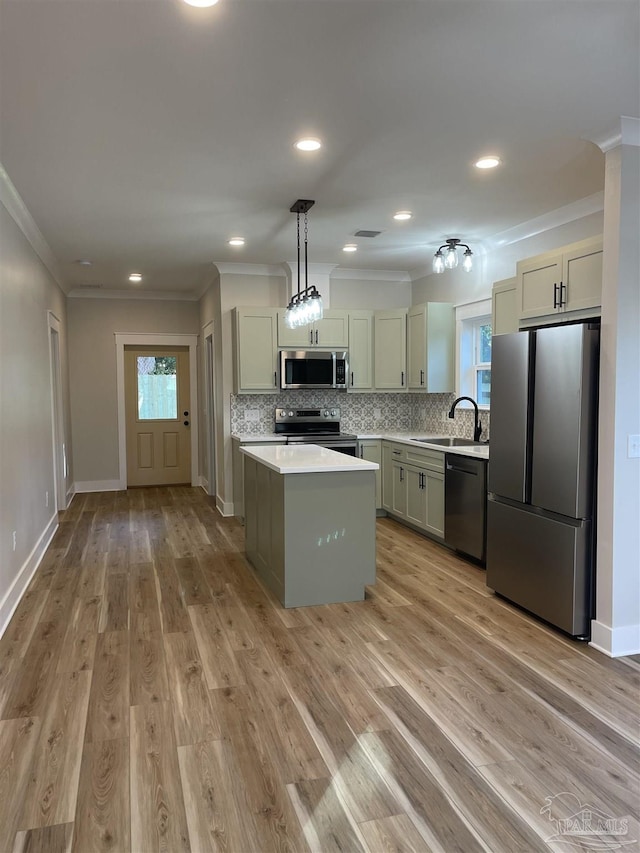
point(27, 292)
point(92, 371)
point(370, 295)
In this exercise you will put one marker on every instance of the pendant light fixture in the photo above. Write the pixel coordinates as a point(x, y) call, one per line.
point(306, 305)
point(449, 259)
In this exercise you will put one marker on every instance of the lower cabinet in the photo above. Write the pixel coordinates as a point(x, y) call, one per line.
point(413, 486)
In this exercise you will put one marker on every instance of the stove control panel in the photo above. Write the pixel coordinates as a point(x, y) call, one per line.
point(307, 415)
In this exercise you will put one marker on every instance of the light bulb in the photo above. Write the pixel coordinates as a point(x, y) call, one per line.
point(438, 262)
point(467, 263)
point(451, 258)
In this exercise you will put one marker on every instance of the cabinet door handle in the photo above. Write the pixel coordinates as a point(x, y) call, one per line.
point(352, 377)
point(401, 474)
point(563, 301)
point(402, 379)
point(316, 336)
point(396, 452)
point(422, 377)
point(311, 337)
point(555, 295)
point(361, 453)
point(275, 378)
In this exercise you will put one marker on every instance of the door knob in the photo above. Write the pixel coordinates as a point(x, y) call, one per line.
point(186, 414)
point(186, 423)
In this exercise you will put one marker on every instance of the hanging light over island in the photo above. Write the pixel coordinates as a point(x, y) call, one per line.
point(306, 305)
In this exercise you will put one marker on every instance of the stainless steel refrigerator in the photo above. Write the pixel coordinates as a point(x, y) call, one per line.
point(542, 467)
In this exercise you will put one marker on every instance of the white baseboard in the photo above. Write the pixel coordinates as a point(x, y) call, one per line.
point(23, 578)
point(203, 483)
point(225, 508)
point(615, 642)
point(83, 486)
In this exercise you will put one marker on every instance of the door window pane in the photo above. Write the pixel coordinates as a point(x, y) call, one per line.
point(157, 387)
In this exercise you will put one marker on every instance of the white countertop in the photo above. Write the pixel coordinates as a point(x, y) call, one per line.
point(306, 459)
point(475, 451)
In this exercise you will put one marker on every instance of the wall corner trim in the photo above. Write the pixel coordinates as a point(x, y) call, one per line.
point(20, 583)
point(225, 508)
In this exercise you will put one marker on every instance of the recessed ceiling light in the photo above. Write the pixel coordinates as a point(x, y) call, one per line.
point(402, 214)
point(201, 2)
point(83, 262)
point(135, 276)
point(308, 144)
point(236, 241)
point(488, 162)
point(350, 247)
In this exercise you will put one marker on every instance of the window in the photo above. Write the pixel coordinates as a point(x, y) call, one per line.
point(157, 388)
point(474, 348)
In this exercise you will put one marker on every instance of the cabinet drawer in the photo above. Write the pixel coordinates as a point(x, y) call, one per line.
point(431, 459)
point(398, 452)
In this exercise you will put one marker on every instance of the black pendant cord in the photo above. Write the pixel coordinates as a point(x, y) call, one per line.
point(299, 254)
point(306, 264)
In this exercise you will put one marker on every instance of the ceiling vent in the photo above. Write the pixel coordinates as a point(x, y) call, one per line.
point(90, 286)
point(367, 233)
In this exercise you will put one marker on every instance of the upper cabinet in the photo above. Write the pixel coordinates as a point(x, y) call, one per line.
point(431, 348)
point(556, 283)
point(504, 307)
point(390, 350)
point(332, 332)
point(255, 349)
point(361, 351)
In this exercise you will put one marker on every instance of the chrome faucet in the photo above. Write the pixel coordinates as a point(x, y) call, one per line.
point(477, 426)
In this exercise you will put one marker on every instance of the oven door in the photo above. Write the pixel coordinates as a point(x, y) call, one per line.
point(307, 369)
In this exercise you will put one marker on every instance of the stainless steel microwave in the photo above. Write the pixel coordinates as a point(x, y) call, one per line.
point(313, 369)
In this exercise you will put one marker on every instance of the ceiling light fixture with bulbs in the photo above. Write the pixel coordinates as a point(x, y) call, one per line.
point(135, 277)
point(449, 260)
point(306, 305)
point(350, 247)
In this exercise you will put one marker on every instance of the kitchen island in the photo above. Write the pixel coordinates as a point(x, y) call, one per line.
point(310, 522)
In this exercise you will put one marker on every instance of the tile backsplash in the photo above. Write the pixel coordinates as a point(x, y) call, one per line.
point(252, 414)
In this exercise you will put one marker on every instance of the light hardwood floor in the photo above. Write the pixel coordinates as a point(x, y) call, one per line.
point(153, 696)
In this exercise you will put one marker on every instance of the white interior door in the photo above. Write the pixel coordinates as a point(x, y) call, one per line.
point(158, 415)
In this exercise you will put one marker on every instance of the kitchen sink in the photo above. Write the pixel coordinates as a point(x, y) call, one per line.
point(452, 442)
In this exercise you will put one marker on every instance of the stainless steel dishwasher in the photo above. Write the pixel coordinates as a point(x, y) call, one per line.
point(465, 505)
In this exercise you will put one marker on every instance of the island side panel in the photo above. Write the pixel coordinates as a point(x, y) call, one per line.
point(329, 536)
point(264, 525)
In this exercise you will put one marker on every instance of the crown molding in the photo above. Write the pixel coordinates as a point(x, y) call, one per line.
point(627, 132)
point(17, 210)
point(395, 276)
point(227, 268)
point(167, 295)
point(291, 267)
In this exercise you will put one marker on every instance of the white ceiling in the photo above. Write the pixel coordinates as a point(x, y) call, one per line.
point(143, 134)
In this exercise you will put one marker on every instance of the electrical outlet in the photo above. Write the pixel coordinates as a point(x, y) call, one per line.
point(633, 446)
point(46, 499)
point(14, 540)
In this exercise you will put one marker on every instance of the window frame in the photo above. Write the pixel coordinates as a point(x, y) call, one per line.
point(469, 318)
